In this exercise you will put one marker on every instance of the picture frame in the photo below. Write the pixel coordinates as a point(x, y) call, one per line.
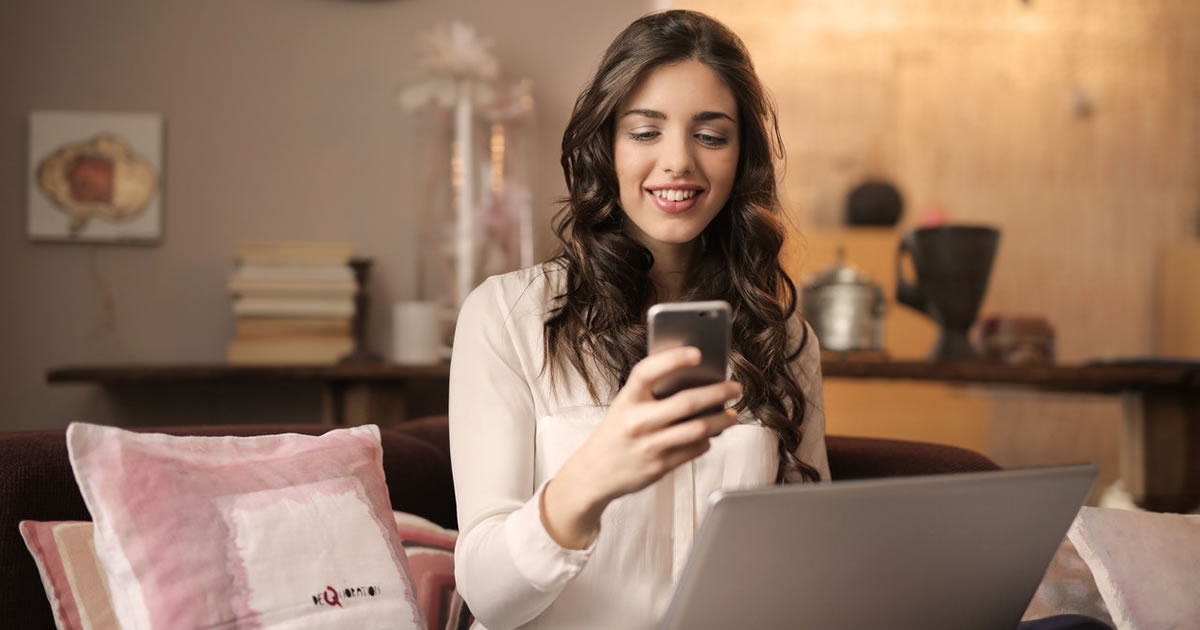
point(95, 177)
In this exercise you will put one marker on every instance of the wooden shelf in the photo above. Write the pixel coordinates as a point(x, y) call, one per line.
point(1099, 378)
point(1160, 446)
point(134, 373)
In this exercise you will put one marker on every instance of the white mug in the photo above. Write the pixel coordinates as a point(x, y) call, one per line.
point(416, 333)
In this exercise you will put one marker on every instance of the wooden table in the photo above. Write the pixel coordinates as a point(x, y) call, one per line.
point(1160, 441)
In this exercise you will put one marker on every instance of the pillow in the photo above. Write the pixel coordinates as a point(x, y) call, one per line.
point(1145, 565)
point(430, 550)
point(71, 574)
point(264, 531)
point(1067, 588)
point(79, 595)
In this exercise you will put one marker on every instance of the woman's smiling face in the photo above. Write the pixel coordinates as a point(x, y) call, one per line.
point(676, 152)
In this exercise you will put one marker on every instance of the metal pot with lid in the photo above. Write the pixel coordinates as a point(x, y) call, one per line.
point(845, 308)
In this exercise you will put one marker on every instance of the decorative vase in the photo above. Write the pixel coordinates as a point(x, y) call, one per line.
point(478, 211)
point(953, 264)
point(479, 219)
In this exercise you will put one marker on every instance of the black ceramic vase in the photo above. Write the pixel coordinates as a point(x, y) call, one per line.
point(953, 264)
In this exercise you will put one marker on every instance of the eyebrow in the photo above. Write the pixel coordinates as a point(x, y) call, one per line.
point(701, 117)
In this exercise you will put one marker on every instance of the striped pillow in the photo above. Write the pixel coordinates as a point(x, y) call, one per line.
point(430, 550)
point(71, 574)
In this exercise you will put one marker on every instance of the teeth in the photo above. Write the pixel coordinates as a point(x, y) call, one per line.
point(675, 194)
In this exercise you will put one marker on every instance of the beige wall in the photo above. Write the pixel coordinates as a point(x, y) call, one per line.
point(976, 107)
point(281, 122)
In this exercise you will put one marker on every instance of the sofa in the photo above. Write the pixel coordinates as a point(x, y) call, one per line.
point(36, 483)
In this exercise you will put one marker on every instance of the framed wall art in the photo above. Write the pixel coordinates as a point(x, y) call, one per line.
point(95, 177)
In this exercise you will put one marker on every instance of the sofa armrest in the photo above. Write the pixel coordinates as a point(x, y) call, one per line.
point(866, 458)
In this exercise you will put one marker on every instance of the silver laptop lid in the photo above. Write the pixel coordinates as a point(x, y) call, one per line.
point(947, 551)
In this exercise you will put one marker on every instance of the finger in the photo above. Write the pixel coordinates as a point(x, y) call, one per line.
point(647, 371)
point(719, 422)
point(689, 432)
point(680, 455)
point(687, 403)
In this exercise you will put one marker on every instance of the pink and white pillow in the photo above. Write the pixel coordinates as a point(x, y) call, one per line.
point(1147, 565)
point(80, 599)
point(1067, 588)
point(281, 530)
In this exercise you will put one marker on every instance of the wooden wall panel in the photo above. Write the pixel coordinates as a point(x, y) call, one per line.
point(1073, 125)
point(1179, 302)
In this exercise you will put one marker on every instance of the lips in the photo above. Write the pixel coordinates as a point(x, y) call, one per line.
point(675, 207)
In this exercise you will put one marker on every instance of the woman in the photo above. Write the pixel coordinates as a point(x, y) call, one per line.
point(577, 494)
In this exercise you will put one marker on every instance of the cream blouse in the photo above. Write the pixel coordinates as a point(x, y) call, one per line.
point(510, 431)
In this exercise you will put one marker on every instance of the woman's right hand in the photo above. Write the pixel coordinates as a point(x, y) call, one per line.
point(636, 444)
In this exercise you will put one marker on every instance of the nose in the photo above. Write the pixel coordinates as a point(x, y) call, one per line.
point(676, 157)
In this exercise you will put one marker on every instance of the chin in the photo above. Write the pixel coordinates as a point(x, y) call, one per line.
point(675, 236)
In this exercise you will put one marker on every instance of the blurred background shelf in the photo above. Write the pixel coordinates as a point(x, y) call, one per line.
point(351, 394)
point(1091, 378)
point(1160, 439)
point(112, 374)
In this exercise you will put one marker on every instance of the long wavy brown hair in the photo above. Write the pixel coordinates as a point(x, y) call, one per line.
point(602, 311)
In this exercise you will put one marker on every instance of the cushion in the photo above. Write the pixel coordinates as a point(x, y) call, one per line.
point(430, 550)
point(1145, 565)
point(266, 531)
point(1067, 588)
point(71, 574)
point(79, 595)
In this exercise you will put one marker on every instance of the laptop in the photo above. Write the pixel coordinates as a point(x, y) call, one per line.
point(963, 550)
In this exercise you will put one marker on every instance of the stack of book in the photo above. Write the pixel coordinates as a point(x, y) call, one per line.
point(293, 302)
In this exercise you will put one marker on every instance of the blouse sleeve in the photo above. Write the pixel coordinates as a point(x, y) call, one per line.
point(808, 372)
point(506, 566)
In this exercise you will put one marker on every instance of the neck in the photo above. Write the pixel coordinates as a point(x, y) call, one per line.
point(671, 263)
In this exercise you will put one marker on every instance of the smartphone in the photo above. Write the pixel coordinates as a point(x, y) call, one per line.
point(705, 325)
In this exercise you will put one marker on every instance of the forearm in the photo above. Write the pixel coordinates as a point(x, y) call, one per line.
point(570, 514)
